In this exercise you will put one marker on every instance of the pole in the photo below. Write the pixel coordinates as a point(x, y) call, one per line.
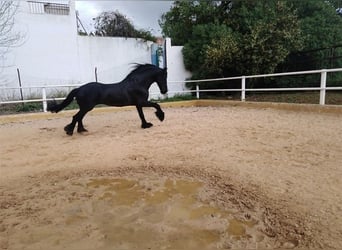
point(243, 88)
point(20, 87)
point(197, 91)
point(95, 74)
point(44, 100)
point(323, 87)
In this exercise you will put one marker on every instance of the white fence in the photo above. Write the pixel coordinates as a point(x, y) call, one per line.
point(323, 88)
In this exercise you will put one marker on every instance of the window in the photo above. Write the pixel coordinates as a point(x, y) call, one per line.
point(48, 8)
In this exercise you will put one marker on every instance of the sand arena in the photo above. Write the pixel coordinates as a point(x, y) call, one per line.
point(213, 175)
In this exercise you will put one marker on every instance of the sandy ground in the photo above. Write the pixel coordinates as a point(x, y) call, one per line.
point(205, 178)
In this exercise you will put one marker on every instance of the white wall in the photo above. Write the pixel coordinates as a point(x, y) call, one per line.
point(113, 57)
point(47, 54)
point(52, 53)
point(175, 67)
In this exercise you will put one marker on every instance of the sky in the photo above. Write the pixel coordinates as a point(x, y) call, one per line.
point(143, 14)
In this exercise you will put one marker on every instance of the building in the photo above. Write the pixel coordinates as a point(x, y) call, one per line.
point(52, 53)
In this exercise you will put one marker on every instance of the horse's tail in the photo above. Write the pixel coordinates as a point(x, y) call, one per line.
point(54, 107)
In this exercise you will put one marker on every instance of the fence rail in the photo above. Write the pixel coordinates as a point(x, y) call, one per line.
point(323, 88)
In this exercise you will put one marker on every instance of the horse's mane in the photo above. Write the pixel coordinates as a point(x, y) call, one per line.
point(142, 68)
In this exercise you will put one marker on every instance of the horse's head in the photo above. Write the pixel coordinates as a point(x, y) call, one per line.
point(161, 80)
point(146, 74)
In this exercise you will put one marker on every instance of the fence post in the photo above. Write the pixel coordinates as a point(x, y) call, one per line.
point(20, 87)
point(95, 74)
point(323, 87)
point(197, 91)
point(44, 100)
point(243, 88)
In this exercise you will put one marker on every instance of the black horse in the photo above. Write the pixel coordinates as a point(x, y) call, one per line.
point(133, 90)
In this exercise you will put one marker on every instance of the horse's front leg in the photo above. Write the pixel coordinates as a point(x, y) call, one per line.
point(159, 113)
point(144, 123)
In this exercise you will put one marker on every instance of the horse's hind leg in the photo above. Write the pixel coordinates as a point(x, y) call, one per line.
point(69, 129)
point(82, 113)
point(144, 123)
point(80, 127)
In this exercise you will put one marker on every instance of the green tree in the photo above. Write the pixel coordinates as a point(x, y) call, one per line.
point(268, 31)
point(322, 42)
point(209, 53)
point(183, 16)
point(320, 23)
point(239, 37)
point(224, 38)
point(321, 29)
point(209, 50)
point(113, 23)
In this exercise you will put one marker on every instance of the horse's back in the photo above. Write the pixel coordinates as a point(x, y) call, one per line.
point(94, 93)
point(90, 92)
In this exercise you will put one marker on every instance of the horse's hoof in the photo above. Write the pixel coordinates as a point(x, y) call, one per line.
point(69, 133)
point(160, 115)
point(146, 125)
point(68, 130)
point(81, 130)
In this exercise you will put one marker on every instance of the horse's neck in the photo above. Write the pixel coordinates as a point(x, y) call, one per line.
point(146, 82)
point(149, 82)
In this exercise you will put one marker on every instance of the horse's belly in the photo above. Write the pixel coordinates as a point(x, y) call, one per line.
point(118, 101)
point(117, 104)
